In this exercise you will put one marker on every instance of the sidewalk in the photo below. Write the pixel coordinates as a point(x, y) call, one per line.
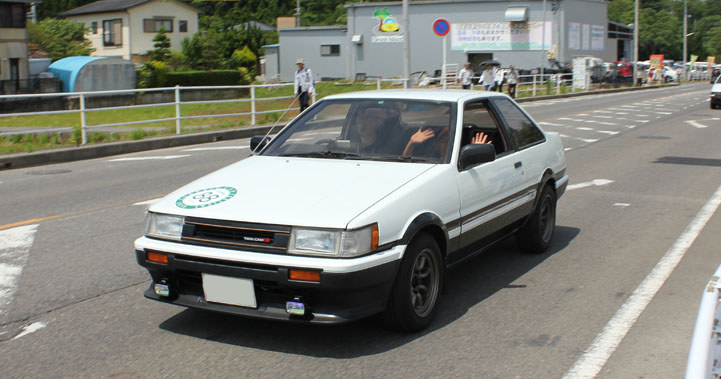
point(69, 154)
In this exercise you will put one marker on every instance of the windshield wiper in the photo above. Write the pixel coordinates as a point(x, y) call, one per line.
point(400, 158)
point(322, 154)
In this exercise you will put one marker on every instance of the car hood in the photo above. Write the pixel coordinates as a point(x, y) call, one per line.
point(314, 192)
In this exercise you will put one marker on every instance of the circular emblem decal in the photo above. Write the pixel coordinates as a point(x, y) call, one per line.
point(205, 197)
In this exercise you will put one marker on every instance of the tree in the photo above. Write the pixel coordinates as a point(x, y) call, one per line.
point(161, 45)
point(60, 38)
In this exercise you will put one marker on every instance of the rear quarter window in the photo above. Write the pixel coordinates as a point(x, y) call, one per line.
point(523, 131)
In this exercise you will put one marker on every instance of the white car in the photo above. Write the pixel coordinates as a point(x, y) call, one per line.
point(357, 207)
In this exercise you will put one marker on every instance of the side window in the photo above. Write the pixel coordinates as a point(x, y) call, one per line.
point(478, 119)
point(523, 131)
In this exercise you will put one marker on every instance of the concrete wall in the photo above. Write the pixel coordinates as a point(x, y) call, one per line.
point(306, 43)
point(106, 74)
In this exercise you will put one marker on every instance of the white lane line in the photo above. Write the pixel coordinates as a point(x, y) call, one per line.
point(623, 205)
point(32, 328)
point(663, 112)
point(550, 123)
point(148, 158)
point(599, 116)
point(607, 132)
point(594, 182)
point(15, 247)
point(217, 148)
point(148, 202)
point(606, 342)
point(583, 128)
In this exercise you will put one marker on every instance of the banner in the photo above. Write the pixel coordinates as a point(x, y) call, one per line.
point(711, 61)
point(656, 61)
point(500, 36)
point(574, 35)
point(693, 59)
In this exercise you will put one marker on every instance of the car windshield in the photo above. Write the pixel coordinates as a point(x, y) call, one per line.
point(370, 130)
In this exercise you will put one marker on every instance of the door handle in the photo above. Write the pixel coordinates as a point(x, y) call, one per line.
point(517, 165)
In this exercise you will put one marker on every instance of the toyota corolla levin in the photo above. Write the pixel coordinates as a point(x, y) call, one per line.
point(358, 207)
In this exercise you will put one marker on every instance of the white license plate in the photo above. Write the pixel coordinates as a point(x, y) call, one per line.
point(227, 290)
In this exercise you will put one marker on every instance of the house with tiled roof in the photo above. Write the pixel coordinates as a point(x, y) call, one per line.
point(13, 46)
point(125, 28)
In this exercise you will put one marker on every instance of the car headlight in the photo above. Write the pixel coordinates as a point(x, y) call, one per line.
point(163, 226)
point(333, 242)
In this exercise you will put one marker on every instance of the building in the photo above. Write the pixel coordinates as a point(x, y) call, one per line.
point(125, 28)
point(511, 32)
point(13, 46)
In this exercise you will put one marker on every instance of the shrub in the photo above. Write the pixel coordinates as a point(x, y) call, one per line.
point(138, 134)
point(77, 136)
point(152, 74)
point(16, 138)
point(44, 139)
point(244, 58)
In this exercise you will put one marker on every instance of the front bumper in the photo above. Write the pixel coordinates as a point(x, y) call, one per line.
point(338, 297)
point(716, 99)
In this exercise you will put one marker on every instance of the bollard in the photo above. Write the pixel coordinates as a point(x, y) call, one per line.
point(534, 85)
point(252, 104)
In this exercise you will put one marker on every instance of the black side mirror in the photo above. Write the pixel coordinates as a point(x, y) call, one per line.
point(257, 143)
point(475, 154)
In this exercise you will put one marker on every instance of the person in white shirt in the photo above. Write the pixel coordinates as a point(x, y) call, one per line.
point(465, 76)
point(512, 79)
point(498, 77)
point(487, 78)
point(304, 84)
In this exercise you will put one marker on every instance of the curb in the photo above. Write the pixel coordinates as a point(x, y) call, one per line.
point(69, 154)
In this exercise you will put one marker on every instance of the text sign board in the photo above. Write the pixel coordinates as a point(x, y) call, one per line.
point(441, 27)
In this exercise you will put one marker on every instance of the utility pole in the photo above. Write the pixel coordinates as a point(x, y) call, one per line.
point(406, 46)
point(543, 40)
point(635, 41)
point(685, 35)
point(297, 13)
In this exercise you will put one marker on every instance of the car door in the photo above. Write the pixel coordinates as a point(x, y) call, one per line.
point(489, 192)
point(528, 140)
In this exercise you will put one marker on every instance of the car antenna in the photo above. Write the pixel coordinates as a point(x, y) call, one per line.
point(276, 123)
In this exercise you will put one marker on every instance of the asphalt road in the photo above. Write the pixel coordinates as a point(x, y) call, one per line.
point(645, 171)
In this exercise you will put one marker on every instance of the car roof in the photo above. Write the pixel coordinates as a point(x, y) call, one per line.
point(453, 95)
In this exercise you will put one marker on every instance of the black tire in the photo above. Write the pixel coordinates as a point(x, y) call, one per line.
point(535, 237)
point(417, 288)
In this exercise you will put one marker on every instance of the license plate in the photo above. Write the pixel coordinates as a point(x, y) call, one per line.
point(227, 290)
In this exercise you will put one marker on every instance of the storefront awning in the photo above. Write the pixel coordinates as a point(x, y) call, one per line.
point(517, 14)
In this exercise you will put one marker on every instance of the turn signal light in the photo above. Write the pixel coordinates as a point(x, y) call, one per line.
point(158, 258)
point(305, 275)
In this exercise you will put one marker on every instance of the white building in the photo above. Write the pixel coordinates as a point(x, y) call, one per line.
point(125, 28)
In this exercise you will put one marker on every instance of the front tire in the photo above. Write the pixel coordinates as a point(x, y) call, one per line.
point(417, 288)
point(535, 237)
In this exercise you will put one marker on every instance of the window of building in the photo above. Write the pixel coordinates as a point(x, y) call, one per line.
point(330, 50)
point(94, 27)
point(153, 25)
point(183, 26)
point(12, 15)
point(113, 32)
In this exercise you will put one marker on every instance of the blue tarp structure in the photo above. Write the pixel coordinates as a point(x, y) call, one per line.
point(94, 73)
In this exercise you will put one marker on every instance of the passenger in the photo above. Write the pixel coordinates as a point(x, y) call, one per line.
point(417, 143)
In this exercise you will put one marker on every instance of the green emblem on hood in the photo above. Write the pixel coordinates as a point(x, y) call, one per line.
point(205, 197)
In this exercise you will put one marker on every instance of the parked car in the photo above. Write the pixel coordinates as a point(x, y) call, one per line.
point(357, 207)
point(716, 93)
point(669, 75)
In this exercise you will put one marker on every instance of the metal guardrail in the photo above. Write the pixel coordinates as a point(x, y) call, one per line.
point(83, 110)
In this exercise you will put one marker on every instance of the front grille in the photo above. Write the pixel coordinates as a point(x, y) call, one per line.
point(262, 238)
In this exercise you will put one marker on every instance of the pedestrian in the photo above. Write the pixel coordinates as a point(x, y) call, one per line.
point(304, 84)
point(487, 78)
point(512, 79)
point(499, 78)
point(465, 76)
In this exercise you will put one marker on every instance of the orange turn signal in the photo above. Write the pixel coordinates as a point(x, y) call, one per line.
point(304, 275)
point(374, 237)
point(158, 258)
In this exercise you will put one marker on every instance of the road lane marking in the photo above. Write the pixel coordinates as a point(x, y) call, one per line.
point(606, 342)
point(697, 124)
point(594, 182)
point(32, 328)
point(74, 213)
point(164, 157)
point(15, 247)
point(621, 205)
point(217, 148)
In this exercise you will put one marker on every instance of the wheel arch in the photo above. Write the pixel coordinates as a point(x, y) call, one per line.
point(430, 224)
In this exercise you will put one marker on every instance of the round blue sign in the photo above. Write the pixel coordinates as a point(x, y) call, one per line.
point(441, 27)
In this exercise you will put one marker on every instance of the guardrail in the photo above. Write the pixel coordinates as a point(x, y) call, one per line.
point(83, 110)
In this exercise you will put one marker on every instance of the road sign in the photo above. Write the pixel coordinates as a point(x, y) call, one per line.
point(441, 27)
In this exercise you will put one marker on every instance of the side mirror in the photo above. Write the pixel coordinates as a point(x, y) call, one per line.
point(257, 143)
point(475, 154)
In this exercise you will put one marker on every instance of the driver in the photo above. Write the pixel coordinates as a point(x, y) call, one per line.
point(375, 128)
